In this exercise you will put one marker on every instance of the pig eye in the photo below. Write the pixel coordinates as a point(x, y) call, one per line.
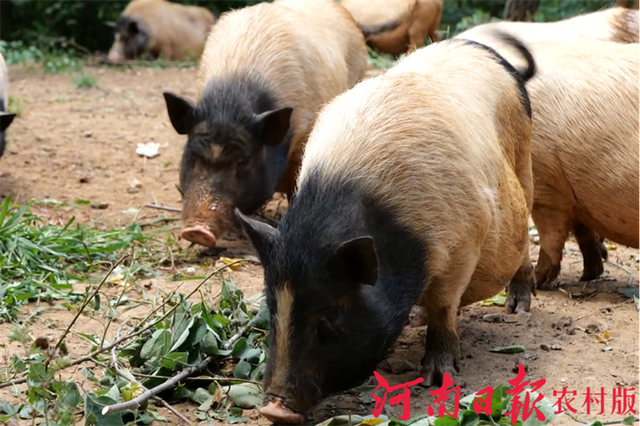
point(242, 166)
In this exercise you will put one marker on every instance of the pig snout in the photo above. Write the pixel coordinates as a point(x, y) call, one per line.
point(277, 412)
point(115, 56)
point(199, 233)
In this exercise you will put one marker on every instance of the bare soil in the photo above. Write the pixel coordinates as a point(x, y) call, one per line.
point(79, 144)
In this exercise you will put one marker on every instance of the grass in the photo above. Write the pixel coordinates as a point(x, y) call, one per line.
point(40, 261)
point(85, 81)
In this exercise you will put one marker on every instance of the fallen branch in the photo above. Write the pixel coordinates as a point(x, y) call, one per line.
point(135, 402)
point(131, 378)
point(161, 207)
point(235, 337)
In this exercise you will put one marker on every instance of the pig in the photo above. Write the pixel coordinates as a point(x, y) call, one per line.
point(415, 187)
point(265, 72)
point(584, 149)
point(627, 3)
point(6, 117)
point(613, 24)
point(159, 28)
point(397, 26)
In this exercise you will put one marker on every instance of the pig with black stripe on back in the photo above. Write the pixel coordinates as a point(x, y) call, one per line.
point(415, 188)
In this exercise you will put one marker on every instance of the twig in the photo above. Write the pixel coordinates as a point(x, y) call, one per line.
point(84, 305)
point(131, 378)
point(161, 207)
point(613, 422)
point(593, 313)
point(124, 338)
point(629, 274)
point(124, 288)
point(115, 408)
point(235, 337)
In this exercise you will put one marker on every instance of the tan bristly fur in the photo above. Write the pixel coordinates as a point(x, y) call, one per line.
point(176, 31)
point(449, 153)
point(284, 302)
point(613, 24)
point(420, 20)
point(307, 51)
point(585, 142)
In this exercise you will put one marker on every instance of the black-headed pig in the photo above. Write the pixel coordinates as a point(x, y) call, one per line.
point(415, 188)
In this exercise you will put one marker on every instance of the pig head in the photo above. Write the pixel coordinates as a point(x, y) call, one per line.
point(327, 331)
point(226, 163)
point(131, 39)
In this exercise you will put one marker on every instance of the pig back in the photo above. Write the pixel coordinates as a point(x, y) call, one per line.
point(298, 50)
point(585, 132)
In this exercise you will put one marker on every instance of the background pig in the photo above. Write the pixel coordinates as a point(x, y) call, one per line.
point(614, 24)
point(265, 72)
point(397, 26)
point(5, 117)
point(160, 28)
point(414, 183)
point(584, 148)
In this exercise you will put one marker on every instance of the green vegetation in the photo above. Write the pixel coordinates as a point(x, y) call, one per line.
point(41, 261)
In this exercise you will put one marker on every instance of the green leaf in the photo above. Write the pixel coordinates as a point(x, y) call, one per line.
point(200, 396)
point(446, 421)
point(157, 345)
point(38, 375)
point(242, 370)
point(68, 393)
point(234, 419)
point(629, 420)
point(513, 349)
point(93, 406)
point(498, 300)
point(469, 418)
point(245, 395)
point(599, 423)
point(262, 318)
point(172, 360)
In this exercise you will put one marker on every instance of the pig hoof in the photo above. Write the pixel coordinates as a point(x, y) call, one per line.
point(592, 271)
point(433, 371)
point(518, 302)
point(199, 234)
point(441, 356)
point(418, 316)
point(545, 278)
point(276, 412)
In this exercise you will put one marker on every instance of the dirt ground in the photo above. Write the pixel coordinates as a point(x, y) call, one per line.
point(79, 144)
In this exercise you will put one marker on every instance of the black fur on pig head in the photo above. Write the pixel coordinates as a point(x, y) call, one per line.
point(326, 333)
point(133, 36)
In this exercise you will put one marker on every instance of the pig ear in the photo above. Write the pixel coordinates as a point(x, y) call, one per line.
point(357, 258)
point(132, 27)
point(110, 24)
point(181, 111)
point(272, 126)
point(262, 235)
point(5, 120)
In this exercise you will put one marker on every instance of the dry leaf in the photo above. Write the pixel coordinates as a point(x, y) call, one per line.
point(228, 261)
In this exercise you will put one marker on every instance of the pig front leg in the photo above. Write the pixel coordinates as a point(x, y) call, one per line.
point(521, 287)
point(441, 301)
point(592, 249)
point(553, 228)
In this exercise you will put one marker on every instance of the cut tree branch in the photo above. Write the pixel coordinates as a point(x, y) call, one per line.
point(115, 408)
